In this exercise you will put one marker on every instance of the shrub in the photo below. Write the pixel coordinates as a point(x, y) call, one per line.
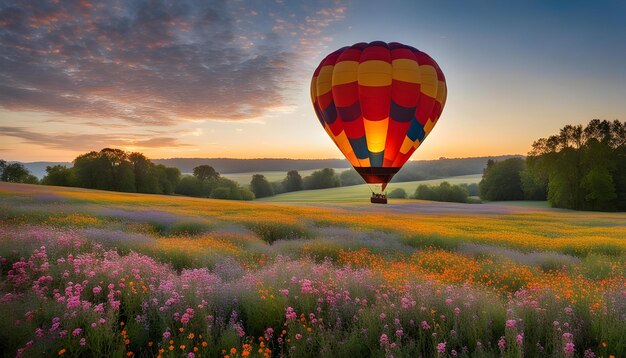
point(443, 192)
point(221, 193)
point(190, 186)
point(397, 193)
point(246, 194)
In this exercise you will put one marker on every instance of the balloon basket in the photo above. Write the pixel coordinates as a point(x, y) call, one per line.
point(378, 200)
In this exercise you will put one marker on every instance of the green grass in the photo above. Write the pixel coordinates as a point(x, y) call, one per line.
point(362, 192)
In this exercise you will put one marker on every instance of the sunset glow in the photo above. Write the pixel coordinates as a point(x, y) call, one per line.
point(231, 79)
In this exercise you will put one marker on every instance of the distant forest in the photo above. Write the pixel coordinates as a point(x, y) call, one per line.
point(412, 170)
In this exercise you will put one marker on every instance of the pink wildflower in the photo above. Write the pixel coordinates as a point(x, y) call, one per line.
point(441, 348)
point(383, 339)
point(502, 343)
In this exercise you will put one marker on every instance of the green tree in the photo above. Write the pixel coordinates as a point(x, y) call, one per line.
point(584, 167)
point(472, 189)
point(168, 178)
point(191, 186)
point(397, 193)
point(350, 177)
point(260, 186)
point(597, 183)
point(17, 173)
point(121, 177)
point(91, 171)
point(221, 192)
point(108, 169)
point(534, 186)
point(451, 193)
point(233, 188)
point(124, 178)
point(425, 192)
point(442, 192)
point(205, 172)
point(321, 179)
point(246, 194)
point(144, 183)
point(59, 175)
point(502, 181)
point(292, 182)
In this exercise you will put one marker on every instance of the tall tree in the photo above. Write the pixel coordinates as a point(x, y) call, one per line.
point(502, 181)
point(17, 173)
point(59, 175)
point(292, 182)
point(260, 186)
point(141, 169)
point(205, 172)
point(584, 168)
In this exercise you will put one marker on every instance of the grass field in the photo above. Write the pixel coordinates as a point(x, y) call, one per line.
point(361, 193)
point(245, 178)
point(94, 273)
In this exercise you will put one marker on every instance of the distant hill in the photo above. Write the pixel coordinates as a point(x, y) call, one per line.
point(412, 170)
point(230, 165)
point(444, 167)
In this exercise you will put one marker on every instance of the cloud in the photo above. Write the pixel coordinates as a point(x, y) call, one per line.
point(85, 142)
point(150, 62)
point(309, 32)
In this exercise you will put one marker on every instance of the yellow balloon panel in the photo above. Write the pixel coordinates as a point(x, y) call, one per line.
point(345, 72)
point(405, 70)
point(374, 73)
point(376, 134)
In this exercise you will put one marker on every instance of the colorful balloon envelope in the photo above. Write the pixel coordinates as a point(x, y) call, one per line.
point(378, 102)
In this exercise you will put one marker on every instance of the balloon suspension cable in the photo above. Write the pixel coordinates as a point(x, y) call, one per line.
point(374, 188)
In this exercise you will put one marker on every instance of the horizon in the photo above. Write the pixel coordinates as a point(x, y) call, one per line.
point(231, 80)
point(277, 158)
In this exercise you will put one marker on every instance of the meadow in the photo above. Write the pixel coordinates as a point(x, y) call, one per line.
point(350, 194)
point(105, 274)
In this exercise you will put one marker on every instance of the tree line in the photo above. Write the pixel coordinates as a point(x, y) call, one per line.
point(458, 193)
point(206, 182)
point(293, 181)
point(580, 168)
point(16, 173)
point(117, 170)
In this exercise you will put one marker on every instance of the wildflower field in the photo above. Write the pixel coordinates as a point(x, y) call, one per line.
point(103, 274)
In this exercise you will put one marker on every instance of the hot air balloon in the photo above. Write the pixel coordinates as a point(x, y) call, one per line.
point(378, 101)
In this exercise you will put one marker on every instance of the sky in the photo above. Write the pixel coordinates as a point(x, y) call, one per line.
point(231, 78)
